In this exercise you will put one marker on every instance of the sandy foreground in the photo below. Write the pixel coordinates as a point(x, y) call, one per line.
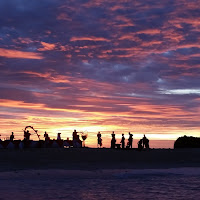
point(95, 159)
point(99, 174)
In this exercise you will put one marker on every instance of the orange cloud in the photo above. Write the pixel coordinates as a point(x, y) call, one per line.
point(9, 53)
point(125, 21)
point(92, 38)
point(149, 31)
point(129, 36)
point(50, 77)
point(151, 43)
point(47, 46)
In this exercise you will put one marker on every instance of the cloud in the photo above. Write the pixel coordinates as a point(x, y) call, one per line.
point(47, 46)
point(64, 16)
point(91, 38)
point(9, 53)
point(110, 64)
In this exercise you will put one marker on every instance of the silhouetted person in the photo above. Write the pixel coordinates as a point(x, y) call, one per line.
point(123, 141)
point(75, 139)
point(27, 135)
point(58, 136)
point(47, 139)
point(113, 140)
point(130, 140)
point(75, 135)
point(99, 140)
point(145, 142)
point(12, 137)
point(140, 147)
point(46, 136)
point(26, 138)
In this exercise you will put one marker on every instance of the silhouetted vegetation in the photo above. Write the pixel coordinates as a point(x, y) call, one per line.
point(187, 142)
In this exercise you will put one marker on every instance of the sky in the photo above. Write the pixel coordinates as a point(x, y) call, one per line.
point(99, 65)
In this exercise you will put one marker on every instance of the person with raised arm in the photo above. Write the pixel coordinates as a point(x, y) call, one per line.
point(130, 140)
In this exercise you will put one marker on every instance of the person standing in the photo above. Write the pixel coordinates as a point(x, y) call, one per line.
point(145, 142)
point(59, 137)
point(27, 135)
point(99, 140)
point(123, 141)
point(46, 136)
point(47, 139)
point(12, 137)
point(113, 140)
point(76, 141)
point(144, 139)
point(130, 140)
point(26, 138)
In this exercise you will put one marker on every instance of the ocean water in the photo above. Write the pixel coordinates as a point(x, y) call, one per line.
point(177, 183)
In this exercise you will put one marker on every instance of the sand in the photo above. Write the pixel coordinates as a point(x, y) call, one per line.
point(99, 174)
point(95, 159)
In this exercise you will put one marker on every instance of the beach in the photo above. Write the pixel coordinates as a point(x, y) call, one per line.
point(93, 159)
point(99, 174)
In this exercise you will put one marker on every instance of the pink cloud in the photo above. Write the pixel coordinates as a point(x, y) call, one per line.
point(91, 38)
point(9, 53)
point(47, 46)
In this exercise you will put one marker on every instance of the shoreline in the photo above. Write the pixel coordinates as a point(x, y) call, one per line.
point(91, 159)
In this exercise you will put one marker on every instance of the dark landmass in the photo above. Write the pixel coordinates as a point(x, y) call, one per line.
point(187, 142)
point(94, 159)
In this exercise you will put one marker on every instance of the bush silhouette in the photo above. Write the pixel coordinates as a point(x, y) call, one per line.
point(187, 142)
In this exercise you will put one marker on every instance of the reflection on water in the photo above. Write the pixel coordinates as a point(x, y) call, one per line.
point(108, 186)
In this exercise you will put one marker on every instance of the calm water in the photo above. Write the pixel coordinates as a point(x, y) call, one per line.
point(183, 183)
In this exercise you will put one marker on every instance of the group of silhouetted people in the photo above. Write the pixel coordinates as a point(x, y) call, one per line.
point(129, 143)
point(143, 143)
point(27, 135)
point(113, 141)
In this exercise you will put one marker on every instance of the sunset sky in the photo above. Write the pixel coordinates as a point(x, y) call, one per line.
point(100, 65)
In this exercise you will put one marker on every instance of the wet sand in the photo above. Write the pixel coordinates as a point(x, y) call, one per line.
point(95, 159)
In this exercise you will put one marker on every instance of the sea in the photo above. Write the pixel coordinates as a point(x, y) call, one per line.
point(50, 184)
